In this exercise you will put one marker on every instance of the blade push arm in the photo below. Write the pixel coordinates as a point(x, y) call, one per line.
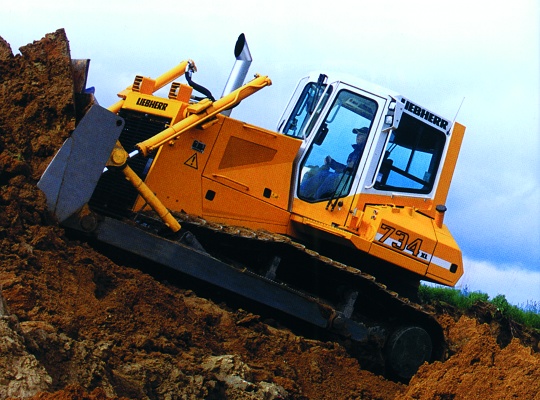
point(119, 159)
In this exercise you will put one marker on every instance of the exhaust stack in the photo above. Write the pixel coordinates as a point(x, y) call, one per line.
point(240, 68)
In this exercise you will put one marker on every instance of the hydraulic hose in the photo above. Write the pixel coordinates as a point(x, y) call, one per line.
point(196, 86)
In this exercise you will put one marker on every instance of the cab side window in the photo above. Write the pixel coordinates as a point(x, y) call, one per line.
point(302, 111)
point(412, 158)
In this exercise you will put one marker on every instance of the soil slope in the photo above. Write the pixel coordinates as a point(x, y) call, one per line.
point(74, 325)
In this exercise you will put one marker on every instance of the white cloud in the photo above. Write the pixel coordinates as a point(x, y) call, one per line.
point(517, 284)
point(494, 209)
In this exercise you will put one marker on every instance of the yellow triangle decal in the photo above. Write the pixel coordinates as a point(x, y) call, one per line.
point(192, 161)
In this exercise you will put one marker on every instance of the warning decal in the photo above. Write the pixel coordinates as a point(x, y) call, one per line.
point(192, 161)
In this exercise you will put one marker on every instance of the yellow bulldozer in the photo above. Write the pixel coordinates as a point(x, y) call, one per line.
point(333, 218)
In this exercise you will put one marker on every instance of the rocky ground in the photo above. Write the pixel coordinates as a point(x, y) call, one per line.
point(74, 325)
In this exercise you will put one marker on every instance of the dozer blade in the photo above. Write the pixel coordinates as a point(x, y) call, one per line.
point(71, 177)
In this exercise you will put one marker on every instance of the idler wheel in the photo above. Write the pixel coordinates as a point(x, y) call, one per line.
point(406, 350)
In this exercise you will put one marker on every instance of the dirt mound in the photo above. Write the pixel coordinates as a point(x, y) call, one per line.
point(74, 325)
point(479, 369)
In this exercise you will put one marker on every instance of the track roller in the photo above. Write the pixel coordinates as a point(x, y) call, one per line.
point(407, 349)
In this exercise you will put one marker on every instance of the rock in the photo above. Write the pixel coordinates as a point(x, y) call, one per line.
point(22, 374)
point(235, 375)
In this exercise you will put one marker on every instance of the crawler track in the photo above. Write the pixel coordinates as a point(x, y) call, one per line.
point(351, 293)
point(388, 333)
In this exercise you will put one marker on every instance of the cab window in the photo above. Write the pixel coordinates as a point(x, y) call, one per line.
point(330, 164)
point(412, 157)
point(303, 110)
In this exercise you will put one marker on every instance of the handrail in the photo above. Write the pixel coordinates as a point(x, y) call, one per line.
point(242, 185)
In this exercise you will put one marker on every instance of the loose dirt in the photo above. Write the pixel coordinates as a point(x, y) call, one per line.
point(75, 325)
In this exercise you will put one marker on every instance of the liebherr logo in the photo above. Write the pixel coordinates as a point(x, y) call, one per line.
point(158, 105)
point(425, 114)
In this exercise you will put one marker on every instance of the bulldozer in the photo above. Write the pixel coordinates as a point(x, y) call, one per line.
point(333, 218)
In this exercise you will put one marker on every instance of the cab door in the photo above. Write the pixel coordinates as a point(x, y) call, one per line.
point(329, 170)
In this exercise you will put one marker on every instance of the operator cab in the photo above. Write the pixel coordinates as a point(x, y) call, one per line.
point(361, 140)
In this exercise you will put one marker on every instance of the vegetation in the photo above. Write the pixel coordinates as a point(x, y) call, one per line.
point(527, 314)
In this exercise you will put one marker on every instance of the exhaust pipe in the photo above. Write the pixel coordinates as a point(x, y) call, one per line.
point(240, 68)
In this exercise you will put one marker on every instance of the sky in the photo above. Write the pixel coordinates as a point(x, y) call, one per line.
point(474, 60)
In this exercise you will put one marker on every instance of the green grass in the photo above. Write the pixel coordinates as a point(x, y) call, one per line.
point(527, 314)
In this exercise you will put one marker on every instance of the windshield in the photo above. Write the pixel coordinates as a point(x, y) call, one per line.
point(329, 167)
point(412, 157)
